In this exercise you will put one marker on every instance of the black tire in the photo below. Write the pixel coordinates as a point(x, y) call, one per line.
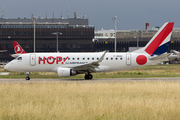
point(90, 76)
point(28, 78)
point(86, 77)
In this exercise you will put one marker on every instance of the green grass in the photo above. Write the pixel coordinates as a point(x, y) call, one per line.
point(148, 71)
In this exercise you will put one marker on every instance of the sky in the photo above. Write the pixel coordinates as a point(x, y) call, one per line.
point(131, 14)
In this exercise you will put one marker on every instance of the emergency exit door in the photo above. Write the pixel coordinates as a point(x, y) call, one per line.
point(128, 59)
point(32, 59)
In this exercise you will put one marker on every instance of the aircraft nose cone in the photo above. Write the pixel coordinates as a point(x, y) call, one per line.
point(7, 67)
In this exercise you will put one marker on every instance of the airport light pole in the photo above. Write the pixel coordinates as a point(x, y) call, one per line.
point(137, 40)
point(56, 33)
point(34, 18)
point(138, 35)
point(115, 21)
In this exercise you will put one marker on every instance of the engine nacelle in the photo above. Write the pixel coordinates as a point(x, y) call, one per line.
point(65, 72)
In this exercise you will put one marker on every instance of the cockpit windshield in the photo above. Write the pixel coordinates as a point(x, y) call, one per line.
point(19, 58)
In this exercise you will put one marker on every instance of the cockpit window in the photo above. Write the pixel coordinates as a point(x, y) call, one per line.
point(19, 58)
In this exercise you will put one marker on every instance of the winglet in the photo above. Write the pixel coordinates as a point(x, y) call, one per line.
point(17, 48)
point(100, 60)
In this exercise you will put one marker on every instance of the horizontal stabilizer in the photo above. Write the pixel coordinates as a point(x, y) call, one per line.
point(15, 55)
point(163, 56)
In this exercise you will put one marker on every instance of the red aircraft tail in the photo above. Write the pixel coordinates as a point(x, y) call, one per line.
point(17, 48)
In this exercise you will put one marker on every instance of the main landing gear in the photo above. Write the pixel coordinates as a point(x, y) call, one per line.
point(88, 76)
point(27, 78)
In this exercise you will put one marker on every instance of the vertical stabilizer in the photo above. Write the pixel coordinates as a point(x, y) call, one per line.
point(160, 41)
point(17, 48)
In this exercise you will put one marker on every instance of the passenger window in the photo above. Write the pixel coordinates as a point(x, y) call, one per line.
point(83, 58)
point(106, 58)
point(77, 58)
point(87, 58)
point(73, 58)
point(116, 58)
point(19, 58)
point(120, 58)
point(111, 58)
point(97, 58)
point(68, 58)
point(92, 58)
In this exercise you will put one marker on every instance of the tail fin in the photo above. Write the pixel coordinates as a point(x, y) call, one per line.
point(160, 42)
point(17, 48)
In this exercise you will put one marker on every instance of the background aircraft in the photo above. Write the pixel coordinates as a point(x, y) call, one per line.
point(17, 49)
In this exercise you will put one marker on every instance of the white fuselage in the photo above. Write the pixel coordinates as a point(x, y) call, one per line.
point(50, 62)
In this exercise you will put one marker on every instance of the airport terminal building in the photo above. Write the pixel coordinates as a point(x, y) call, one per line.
point(76, 35)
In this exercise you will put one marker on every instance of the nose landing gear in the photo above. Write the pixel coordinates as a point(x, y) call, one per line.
point(27, 78)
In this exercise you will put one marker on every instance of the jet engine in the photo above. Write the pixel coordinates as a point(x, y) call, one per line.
point(65, 72)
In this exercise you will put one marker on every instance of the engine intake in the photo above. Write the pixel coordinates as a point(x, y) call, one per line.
point(65, 72)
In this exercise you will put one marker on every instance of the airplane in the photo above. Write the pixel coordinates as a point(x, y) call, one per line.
point(71, 64)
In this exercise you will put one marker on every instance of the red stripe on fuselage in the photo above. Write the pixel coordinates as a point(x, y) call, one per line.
point(159, 38)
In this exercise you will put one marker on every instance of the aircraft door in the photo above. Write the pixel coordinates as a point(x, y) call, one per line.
point(128, 59)
point(32, 59)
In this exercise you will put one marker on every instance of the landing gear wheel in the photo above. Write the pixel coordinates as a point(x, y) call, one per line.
point(88, 77)
point(27, 78)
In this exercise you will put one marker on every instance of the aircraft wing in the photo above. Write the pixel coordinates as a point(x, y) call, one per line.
point(90, 67)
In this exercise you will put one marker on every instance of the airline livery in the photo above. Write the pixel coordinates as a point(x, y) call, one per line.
point(17, 49)
point(70, 64)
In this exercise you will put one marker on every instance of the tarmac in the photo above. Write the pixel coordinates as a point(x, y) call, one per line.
point(44, 80)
